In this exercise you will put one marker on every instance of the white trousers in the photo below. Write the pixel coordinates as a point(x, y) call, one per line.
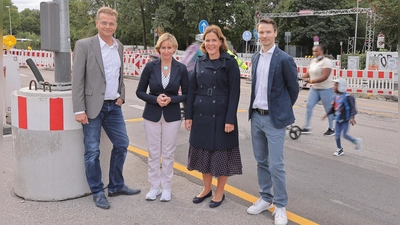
point(161, 141)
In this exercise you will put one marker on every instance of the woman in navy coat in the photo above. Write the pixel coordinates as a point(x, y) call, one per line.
point(210, 115)
point(162, 114)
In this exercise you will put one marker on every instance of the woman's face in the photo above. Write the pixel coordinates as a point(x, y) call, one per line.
point(317, 51)
point(212, 44)
point(167, 50)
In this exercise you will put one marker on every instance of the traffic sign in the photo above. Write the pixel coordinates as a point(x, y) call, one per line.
point(202, 26)
point(316, 38)
point(246, 35)
point(255, 33)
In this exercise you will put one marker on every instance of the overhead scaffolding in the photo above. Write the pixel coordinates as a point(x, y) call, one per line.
point(369, 33)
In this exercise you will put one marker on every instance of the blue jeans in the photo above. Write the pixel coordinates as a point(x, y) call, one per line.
point(268, 144)
point(342, 127)
point(314, 96)
point(112, 121)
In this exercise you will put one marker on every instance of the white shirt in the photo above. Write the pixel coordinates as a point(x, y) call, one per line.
point(112, 65)
point(315, 71)
point(261, 89)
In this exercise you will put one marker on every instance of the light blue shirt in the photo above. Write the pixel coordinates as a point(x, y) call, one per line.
point(261, 87)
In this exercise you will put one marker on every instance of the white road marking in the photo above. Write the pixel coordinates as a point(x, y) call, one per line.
point(23, 75)
point(137, 106)
point(344, 204)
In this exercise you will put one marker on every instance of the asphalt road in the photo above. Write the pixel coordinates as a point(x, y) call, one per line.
point(360, 187)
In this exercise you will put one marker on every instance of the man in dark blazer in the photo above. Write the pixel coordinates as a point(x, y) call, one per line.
point(274, 91)
point(98, 93)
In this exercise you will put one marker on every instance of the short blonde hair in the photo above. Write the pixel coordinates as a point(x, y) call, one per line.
point(216, 30)
point(166, 37)
point(108, 11)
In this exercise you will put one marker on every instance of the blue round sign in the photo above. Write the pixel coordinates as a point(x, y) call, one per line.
point(202, 26)
point(246, 35)
point(255, 33)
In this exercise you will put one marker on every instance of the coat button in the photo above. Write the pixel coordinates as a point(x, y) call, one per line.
point(213, 116)
point(201, 86)
point(202, 71)
point(215, 72)
point(213, 101)
point(214, 87)
point(200, 100)
point(201, 114)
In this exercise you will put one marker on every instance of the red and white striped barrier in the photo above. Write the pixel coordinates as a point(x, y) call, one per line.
point(361, 81)
point(45, 111)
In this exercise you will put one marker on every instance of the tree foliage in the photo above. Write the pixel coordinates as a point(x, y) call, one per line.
point(138, 19)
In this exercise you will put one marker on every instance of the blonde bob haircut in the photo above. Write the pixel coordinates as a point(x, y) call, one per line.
point(166, 37)
point(216, 30)
point(108, 11)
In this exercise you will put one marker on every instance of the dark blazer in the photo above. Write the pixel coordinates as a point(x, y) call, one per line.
point(151, 77)
point(283, 87)
point(88, 77)
point(212, 102)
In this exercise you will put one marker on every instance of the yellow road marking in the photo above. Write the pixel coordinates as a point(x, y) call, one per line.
point(134, 120)
point(239, 193)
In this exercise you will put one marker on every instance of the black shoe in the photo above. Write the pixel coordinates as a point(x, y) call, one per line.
point(124, 191)
point(101, 201)
point(197, 200)
point(216, 204)
point(305, 131)
point(329, 132)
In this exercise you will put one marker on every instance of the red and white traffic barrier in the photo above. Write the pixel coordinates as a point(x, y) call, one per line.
point(45, 111)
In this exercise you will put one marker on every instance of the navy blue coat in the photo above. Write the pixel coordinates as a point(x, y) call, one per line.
point(151, 77)
point(212, 102)
point(283, 87)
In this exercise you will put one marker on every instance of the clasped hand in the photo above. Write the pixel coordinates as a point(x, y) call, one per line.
point(163, 100)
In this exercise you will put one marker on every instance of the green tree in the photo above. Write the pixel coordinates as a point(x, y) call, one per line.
point(30, 21)
point(330, 29)
point(387, 21)
point(10, 9)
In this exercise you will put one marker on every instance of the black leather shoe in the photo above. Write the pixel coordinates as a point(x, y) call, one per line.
point(197, 200)
point(216, 204)
point(101, 201)
point(124, 191)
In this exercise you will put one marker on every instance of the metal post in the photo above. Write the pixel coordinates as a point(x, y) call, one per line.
point(9, 16)
point(62, 58)
point(355, 33)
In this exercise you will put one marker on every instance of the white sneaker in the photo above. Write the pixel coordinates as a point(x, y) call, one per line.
point(280, 216)
point(152, 194)
point(259, 206)
point(166, 195)
point(358, 143)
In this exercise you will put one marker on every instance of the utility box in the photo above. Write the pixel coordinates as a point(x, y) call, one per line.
point(50, 26)
point(12, 82)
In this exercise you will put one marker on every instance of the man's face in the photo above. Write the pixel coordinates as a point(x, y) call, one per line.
point(106, 25)
point(267, 34)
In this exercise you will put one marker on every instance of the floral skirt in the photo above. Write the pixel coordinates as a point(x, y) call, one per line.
point(215, 162)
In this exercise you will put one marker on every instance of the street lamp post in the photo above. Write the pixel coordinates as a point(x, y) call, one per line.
point(355, 33)
point(9, 16)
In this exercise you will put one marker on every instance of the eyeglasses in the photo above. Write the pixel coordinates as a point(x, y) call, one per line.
point(110, 24)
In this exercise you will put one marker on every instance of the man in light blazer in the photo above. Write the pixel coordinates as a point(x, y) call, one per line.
point(274, 91)
point(98, 93)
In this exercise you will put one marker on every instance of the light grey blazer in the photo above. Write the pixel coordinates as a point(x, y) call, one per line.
point(88, 77)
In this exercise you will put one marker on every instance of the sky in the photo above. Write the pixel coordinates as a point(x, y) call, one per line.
point(30, 4)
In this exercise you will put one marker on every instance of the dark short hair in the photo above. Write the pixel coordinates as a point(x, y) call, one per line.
point(320, 47)
point(267, 21)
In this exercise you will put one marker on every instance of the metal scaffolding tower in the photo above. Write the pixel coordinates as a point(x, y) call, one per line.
point(369, 33)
